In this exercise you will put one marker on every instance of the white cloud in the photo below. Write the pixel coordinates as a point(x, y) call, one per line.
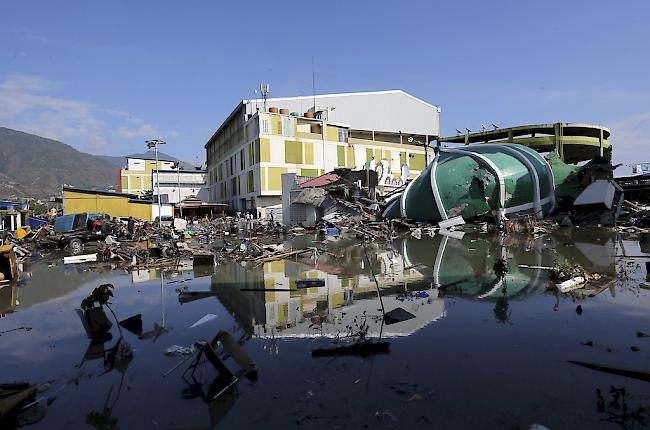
point(145, 130)
point(25, 105)
point(22, 83)
point(631, 139)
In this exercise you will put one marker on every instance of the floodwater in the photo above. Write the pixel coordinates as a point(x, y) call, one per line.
point(476, 352)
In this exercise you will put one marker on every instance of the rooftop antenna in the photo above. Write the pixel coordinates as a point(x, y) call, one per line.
point(483, 128)
point(264, 89)
point(313, 83)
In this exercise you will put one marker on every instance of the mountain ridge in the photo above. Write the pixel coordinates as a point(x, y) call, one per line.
point(37, 167)
point(33, 166)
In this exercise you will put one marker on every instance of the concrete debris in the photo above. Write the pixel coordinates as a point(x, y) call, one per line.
point(454, 234)
point(313, 196)
point(448, 224)
point(600, 192)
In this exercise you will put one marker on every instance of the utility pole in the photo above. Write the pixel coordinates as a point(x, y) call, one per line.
point(177, 165)
point(154, 144)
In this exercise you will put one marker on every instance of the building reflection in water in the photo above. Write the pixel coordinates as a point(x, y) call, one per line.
point(329, 310)
point(415, 274)
point(8, 298)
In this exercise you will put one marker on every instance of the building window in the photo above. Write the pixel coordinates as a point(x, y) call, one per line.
point(288, 126)
point(343, 135)
point(241, 160)
point(251, 153)
point(292, 152)
point(250, 183)
point(265, 126)
point(234, 181)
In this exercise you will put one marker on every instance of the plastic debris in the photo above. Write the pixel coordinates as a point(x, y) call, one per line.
point(74, 259)
point(571, 284)
point(204, 319)
point(180, 350)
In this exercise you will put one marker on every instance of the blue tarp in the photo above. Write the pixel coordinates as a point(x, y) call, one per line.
point(63, 223)
point(36, 223)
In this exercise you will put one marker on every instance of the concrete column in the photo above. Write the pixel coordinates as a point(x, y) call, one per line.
point(600, 142)
point(556, 132)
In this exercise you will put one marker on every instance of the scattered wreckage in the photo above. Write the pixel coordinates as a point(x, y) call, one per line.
point(504, 181)
point(509, 186)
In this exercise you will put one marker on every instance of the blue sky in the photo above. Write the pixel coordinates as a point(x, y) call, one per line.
point(105, 76)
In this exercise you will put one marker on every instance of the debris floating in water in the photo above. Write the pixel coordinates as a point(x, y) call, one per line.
point(206, 318)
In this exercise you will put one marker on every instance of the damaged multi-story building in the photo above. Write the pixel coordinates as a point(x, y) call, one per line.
point(263, 139)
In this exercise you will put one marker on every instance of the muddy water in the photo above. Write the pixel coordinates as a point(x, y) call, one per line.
point(477, 352)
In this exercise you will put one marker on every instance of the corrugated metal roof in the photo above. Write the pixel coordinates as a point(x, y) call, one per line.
point(321, 181)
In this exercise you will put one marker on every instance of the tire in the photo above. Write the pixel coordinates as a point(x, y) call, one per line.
point(75, 246)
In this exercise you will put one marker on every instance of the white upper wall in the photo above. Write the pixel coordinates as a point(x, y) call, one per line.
point(183, 177)
point(390, 111)
point(139, 164)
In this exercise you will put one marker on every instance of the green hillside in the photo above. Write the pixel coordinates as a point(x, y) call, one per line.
point(33, 166)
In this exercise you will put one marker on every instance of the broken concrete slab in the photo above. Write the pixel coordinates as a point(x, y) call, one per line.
point(451, 222)
point(600, 192)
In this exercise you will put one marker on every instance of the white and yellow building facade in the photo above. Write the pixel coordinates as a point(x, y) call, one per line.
point(137, 176)
point(309, 136)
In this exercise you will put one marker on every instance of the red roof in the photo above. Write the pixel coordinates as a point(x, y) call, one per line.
point(321, 181)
